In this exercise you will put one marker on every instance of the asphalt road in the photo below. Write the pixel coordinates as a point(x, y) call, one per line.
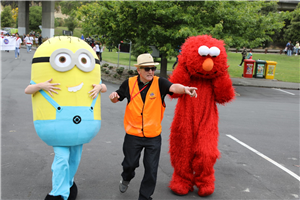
point(259, 145)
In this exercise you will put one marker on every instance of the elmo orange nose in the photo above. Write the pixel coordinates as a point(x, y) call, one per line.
point(208, 64)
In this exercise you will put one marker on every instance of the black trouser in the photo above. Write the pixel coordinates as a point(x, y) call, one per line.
point(132, 148)
point(100, 55)
point(243, 60)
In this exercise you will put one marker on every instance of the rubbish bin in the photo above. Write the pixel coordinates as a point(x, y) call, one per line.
point(270, 69)
point(260, 66)
point(248, 68)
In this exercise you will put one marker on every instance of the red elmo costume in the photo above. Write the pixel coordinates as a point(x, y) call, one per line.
point(194, 130)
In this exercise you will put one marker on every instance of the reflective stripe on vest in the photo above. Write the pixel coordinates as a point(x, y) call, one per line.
point(144, 120)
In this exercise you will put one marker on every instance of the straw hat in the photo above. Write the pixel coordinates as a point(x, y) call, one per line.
point(145, 60)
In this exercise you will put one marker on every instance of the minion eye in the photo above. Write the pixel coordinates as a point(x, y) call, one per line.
point(85, 60)
point(61, 60)
point(203, 51)
point(214, 51)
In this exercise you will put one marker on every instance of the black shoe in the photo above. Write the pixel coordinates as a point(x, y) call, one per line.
point(50, 197)
point(123, 185)
point(73, 192)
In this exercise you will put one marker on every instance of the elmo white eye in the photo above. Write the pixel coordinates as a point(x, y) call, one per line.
point(214, 51)
point(84, 60)
point(61, 60)
point(203, 51)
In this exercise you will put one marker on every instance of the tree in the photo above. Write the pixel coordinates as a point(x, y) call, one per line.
point(71, 23)
point(292, 31)
point(35, 18)
point(67, 7)
point(6, 17)
point(166, 24)
point(13, 4)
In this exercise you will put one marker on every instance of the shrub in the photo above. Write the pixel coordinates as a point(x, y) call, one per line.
point(110, 67)
point(120, 70)
point(136, 72)
point(106, 71)
point(115, 75)
point(105, 65)
point(130, 71)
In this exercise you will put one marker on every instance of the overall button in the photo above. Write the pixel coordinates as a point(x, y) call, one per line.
point(77, 119)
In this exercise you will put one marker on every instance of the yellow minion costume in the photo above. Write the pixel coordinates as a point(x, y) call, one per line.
point(71, 118)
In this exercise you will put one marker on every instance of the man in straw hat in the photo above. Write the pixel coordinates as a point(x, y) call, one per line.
point(144, 112)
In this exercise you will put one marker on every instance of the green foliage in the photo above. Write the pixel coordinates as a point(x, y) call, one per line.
point(6, 17)
point(166, 24)
point(292, 31)
point(120, 70)
point(71, 23)
point(106, 71)
point(59, 22)
point(12, 4)
point(105, 65)
point(130, 72)
point(35, 18)
point(110, 67)
point(68, 7)
point(115, 75)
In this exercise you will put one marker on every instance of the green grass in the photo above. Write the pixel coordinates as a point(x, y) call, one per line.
point(287, 67)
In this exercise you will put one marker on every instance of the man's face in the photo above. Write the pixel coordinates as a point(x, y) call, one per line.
point(146, 73)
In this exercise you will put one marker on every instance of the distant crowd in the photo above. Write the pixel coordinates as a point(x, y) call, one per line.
point(291, 49)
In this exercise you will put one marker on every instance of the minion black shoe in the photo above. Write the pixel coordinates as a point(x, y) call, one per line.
point(50, 197)
point(123, 185)
point(73, 192)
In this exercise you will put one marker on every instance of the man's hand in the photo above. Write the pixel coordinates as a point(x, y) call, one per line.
point(114, 97)
point(191, 91)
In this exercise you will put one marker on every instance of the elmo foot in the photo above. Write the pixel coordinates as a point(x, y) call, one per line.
point(181, 187)
point(206, 190)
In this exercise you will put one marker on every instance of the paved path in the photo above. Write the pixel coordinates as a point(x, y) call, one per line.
point(26, 160)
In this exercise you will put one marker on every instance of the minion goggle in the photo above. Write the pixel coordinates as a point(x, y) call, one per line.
point(63, 60)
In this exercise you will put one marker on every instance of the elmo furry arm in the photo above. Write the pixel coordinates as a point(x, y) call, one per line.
point(223, 90)
point(180, 76)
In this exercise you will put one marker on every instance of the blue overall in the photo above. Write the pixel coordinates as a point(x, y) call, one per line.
point(73, 126)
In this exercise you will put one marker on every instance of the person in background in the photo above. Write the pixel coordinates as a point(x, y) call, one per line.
point(82, 37)
point(145, 94)
point(40, 39)
point(244, 54)
point(36, 39)
point(18, 46)
point(28, 41)
point(287, 48)
point(297, 48)
point(101, 51)
point(97, 49)
point(249, 55)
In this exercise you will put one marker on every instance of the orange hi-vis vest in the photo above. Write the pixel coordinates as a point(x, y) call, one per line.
point(144, 119)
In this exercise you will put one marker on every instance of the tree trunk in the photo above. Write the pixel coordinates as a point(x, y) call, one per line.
point(163, 67)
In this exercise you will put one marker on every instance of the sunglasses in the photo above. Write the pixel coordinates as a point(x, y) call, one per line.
point(147, 69)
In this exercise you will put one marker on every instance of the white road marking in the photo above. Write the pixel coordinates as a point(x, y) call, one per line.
point(265, 157)
point(283, 91)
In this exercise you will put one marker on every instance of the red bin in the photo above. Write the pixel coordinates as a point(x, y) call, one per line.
point(248, 68)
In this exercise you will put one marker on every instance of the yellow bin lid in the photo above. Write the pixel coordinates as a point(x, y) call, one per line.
point(271, 62)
